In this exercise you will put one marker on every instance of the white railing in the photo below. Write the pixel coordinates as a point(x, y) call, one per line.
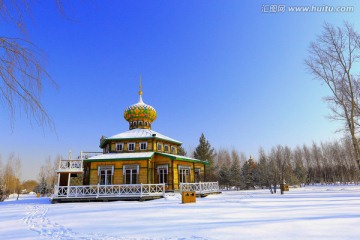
point(70, 166)
point(200, 187)
point(95, 191)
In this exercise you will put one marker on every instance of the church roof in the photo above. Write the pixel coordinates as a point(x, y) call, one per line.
point(139, 133)
point(138, 155)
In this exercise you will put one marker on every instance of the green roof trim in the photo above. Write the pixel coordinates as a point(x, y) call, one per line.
point(182, 158)
point(117, 159)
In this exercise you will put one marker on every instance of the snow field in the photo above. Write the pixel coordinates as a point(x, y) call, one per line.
point(313, 212)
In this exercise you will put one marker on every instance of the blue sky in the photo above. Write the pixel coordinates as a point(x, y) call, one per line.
point(222, 68)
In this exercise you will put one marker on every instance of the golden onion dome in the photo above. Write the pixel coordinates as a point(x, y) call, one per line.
point(140, 115)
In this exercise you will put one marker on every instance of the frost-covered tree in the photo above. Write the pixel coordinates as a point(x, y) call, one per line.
point(235, 169)
point(224, 167)
point(299, 168)
point(264, 170)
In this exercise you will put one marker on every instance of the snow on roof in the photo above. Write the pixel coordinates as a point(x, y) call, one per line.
point(113, 156)
point(181, 157)
point(141, 133)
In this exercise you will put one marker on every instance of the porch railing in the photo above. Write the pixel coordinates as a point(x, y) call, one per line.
point(70, 166)
point(200, 187)
point(95, 191)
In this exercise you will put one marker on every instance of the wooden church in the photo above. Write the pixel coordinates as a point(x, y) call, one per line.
point(142, 155)
point(136, 164)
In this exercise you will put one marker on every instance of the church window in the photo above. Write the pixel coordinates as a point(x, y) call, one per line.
point(184, 174)
point(131, 173)
point(119, 147)
point(173, 149)
point(162, 171)
point(143, 145)
point(166, 148)
point(134, 124)
point(105, 174)
point(159, 146)
point(140, 123)
point(131, 146)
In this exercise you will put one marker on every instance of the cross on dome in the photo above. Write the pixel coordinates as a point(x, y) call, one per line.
point(140, 115)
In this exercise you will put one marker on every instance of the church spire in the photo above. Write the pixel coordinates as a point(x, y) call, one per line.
point(140, 115)
point(140, 90)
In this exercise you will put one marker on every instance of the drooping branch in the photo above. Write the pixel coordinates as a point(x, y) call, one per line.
point(22, 77)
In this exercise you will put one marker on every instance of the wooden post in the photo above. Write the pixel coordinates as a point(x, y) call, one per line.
point(58, 179)
point(68, 186)
point(173, 174)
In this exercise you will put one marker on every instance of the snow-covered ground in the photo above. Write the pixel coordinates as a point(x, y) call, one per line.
point(313, 212)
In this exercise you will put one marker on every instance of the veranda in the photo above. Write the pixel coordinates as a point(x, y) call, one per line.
point(78, 193)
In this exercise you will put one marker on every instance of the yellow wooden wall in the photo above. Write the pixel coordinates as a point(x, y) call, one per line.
point(163, 160)
point(148, 170)
point(152, 145)
point(118, 177)
point(137, 145)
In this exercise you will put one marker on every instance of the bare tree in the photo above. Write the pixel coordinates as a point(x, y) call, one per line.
point(22, 76)
point(334, 59)
point(3, 192)
point(22, 71)
point(235, 169)
point(299, 166)
point(17, 174)
point(265, 170)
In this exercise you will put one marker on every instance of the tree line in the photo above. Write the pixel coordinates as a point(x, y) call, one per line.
point(10, 175)
point(324, 163)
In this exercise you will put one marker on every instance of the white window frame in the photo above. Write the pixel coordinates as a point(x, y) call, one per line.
point(160, 148)
point(187, 170)
point(166, 171)
point(106, 167)
point(119, 144)
point(131, 143)
point(146, 146)
point(166, 146)
point(173, 149)
point(131, 167)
